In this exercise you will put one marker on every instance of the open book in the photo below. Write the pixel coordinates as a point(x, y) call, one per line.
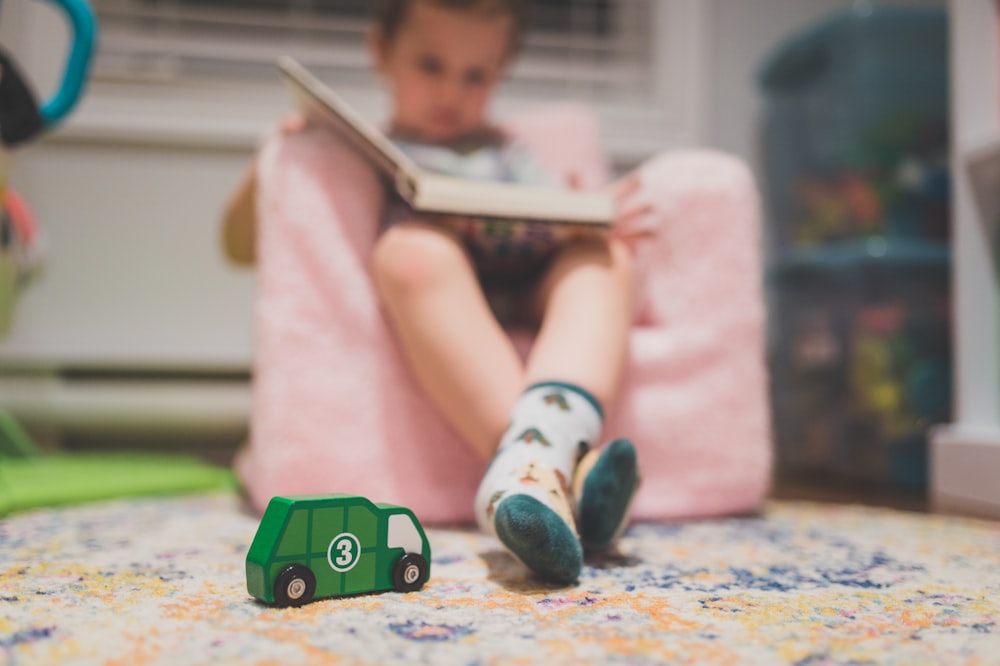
point(437, 194)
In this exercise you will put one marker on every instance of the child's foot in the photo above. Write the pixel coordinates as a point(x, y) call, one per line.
point(604, 485)
point(538, 537)
point(524, 497)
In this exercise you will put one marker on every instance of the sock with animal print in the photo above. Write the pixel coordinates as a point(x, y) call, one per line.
point(524, 498)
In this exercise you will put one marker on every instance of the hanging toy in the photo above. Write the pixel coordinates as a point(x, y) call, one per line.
point(23, 119)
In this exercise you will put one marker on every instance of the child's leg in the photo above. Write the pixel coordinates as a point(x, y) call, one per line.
point(577, 362)
point(456, 348)
point(467, 364)
point(587, 299)
point(586, 304)
point(523, 498)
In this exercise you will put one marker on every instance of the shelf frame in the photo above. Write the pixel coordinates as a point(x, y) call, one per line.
point(965, 455)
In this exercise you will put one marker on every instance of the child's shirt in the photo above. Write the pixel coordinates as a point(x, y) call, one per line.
point(506, 161)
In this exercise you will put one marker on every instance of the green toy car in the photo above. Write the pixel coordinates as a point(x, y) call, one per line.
point(314, 546)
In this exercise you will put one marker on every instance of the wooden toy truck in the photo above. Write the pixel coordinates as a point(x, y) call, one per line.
point(314, 546)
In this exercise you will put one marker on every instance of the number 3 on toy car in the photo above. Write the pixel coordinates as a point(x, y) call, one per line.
point(344, 552)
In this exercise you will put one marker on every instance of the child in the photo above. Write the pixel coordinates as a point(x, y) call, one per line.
point(443, 293)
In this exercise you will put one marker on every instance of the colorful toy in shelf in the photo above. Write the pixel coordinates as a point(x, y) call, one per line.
point(314, 546)
point(893, 183)
point(840, 205)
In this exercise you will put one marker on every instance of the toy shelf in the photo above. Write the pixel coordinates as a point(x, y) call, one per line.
point(965, 455)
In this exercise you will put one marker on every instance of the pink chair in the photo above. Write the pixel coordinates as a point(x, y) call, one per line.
point(335, 407)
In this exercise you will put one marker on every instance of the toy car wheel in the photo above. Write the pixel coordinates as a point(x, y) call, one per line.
point(410, 572)
point(294, 586)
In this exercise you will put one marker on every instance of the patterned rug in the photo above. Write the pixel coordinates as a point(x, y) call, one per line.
point(161, 581)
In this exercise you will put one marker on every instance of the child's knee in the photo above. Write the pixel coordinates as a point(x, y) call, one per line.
point(412, 257)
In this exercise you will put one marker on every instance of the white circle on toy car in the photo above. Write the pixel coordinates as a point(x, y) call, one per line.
point(344, 552)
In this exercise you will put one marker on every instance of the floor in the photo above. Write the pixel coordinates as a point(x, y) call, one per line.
point(787, 487)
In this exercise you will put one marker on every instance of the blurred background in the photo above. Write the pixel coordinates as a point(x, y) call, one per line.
point(132, 329)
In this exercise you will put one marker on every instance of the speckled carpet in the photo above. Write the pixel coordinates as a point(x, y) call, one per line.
point(161, 581)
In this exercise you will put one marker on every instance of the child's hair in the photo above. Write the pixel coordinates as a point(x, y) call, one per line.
point(390, 14)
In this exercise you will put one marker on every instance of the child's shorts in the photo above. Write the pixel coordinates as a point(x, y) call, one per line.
point(510, 258)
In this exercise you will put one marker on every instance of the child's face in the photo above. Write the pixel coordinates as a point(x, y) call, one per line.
point(441, 67)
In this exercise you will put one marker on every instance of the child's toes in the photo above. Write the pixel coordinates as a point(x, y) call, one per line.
point(605, 494)
point(539, 537)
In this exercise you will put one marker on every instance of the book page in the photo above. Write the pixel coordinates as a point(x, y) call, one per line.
point(445, 194)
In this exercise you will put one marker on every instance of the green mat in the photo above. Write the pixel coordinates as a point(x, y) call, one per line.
point(32, 480)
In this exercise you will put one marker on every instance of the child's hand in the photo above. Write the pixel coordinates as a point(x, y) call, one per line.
point(292, 123)
point(635, 218)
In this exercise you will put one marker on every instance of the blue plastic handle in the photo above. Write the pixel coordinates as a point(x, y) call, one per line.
point(81, 18)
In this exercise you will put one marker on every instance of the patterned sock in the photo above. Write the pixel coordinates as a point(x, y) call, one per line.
point(604, 484)
point(524, 497)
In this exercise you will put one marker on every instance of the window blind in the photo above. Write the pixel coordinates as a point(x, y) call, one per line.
point(585, 49)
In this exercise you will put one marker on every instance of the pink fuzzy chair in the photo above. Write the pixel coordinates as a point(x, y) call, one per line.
point(335, 407)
